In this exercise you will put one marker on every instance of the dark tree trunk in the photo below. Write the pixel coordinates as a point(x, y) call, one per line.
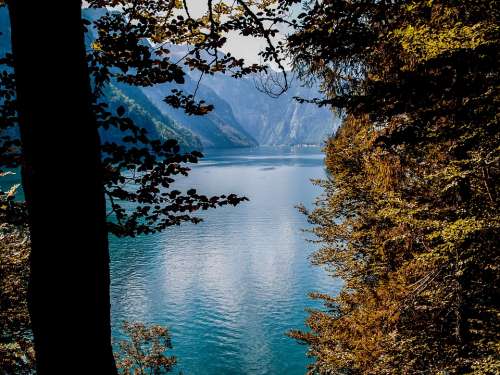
point(69, 287)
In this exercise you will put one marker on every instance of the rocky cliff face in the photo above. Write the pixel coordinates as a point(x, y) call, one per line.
point(280, 121)
point(218, 129)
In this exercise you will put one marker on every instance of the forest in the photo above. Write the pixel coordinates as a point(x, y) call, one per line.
point(96, 130)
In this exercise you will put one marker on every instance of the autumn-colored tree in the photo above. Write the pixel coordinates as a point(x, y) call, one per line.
point(58, 91)
point(16, 344)
point(144, 350)
point(409, 219)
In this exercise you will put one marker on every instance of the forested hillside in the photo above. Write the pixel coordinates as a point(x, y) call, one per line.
point(219, 129)
point(102, 131)
point(146, 115)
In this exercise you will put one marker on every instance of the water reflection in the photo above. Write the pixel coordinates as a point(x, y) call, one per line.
point(230, 287)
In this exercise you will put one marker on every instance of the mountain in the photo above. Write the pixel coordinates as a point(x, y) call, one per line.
point(271, 121)
point(242, 115)
point(145, 114)
point(275, 121)
point(218, 129)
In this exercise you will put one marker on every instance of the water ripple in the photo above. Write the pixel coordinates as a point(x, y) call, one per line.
point(230, 287)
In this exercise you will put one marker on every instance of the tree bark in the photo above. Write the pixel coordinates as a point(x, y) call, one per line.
point(69, 284)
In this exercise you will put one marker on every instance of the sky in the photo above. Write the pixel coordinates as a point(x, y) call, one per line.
point(240, 46)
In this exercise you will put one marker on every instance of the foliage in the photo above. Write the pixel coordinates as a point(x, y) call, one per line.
point(16, 347)
point(9, 141)
point(409, 218)
point(120, 51)
point(130, 45)
point(138, 170)
point(144, 350)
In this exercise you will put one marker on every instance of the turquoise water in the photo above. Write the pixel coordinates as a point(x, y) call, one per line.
point(231, 287)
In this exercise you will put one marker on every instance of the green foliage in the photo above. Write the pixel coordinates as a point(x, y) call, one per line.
point(409, 219)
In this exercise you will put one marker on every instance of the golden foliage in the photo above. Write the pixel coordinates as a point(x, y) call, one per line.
point(409, 219)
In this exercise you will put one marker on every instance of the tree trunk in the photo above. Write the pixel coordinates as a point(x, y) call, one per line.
point(69, 286)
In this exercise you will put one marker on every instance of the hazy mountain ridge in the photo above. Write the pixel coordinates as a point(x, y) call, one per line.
point(275, 121)
point(242, 116)
point(218, 129)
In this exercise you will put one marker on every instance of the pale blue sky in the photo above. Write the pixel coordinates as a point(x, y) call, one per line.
point(240, 46)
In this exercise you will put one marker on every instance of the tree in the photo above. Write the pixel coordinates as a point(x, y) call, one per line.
point(69, 271)
point(69, 274)
point(16, 346)
point(409, 219)
point(144, 350)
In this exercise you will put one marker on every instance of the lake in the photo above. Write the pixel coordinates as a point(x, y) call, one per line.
point(230, 287)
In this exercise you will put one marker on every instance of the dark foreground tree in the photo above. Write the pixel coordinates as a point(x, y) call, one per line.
point(69, 286)
point(66, 171)
point(410, 217)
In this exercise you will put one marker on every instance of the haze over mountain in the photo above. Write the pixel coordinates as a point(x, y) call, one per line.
point(218, 129)
point(242, 115)
point(275, 121)
point(271, 121)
